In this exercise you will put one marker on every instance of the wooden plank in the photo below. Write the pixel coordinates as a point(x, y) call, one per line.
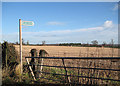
point(31, 70)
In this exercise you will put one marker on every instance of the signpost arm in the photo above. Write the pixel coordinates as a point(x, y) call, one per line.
point(20, 40)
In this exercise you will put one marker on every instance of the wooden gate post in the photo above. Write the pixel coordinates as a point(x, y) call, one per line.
point(40, 61)
point(6, 54)
point(119, 69)
point(33, 54)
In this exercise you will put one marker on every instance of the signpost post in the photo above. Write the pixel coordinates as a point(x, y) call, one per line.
point(25, 23)
point(20, 39)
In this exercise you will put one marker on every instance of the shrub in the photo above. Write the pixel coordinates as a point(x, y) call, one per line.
point(9, 55)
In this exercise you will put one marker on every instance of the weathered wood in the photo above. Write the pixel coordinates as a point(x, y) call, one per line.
point(31, 69)
point(42, 53)
point(119, 69)
point(20, 40)
point(66, 73)
point(32, 62)
point(6, 54)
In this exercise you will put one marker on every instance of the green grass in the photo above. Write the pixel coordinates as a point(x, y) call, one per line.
point(72, 72)
point(28, 79)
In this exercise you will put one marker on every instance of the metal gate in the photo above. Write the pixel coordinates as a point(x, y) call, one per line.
point(76, 70)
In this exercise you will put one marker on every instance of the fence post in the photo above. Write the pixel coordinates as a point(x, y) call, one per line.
point(40, 61)
point(6, 54)
point(68, 79)
point(119, 69)
point(78, 70)
point(33, 54)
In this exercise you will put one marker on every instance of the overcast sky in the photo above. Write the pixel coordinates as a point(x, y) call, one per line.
point(59, 22)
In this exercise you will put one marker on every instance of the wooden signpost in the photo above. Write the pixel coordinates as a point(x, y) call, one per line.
point(25, 23)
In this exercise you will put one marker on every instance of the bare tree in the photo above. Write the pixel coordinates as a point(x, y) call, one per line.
point(16, 42)
point(104, 44)
point(112, 43)
point(43, 42)
point(94, 42)
point(27, 42)
point(23, 41)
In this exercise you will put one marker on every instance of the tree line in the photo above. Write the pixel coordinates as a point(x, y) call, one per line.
point(94, 43)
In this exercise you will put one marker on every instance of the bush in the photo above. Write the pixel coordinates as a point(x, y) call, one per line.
point(9, 63)
point(9, 55)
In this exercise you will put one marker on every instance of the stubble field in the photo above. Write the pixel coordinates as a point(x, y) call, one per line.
point(69, 51)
